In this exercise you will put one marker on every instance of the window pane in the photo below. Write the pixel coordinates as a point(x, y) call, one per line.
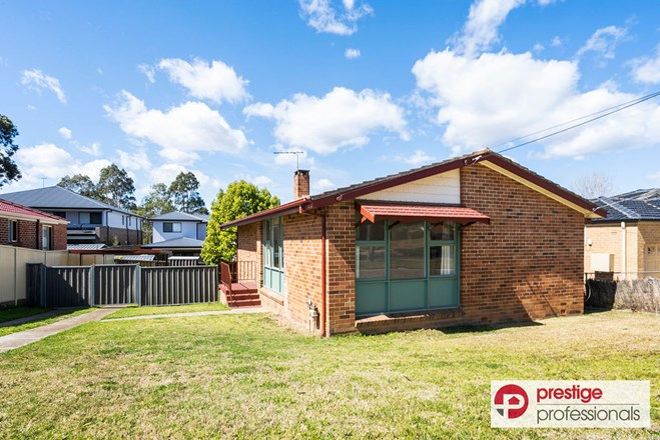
point(95, 218)
point(442, 260)
point(370, 262)
point(407, 251)
point(443, 231)
point(368, 231)
point(167, 226)
point(176, 227)
point(277, 244)
point(84, 218)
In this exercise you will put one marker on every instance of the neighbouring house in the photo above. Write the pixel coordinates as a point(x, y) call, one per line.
point(90, 221)
point(177, 225)
point(626, 242)
point(25, 227)
point(178, 247)
point(477, 239)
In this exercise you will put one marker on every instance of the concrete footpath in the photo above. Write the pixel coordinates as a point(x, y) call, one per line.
point(241, 311)
point(19, 339)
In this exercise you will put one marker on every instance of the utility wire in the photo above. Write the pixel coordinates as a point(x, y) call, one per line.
point(593, 117)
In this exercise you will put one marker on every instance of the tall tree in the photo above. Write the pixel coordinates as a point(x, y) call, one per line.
point(158, 201)
point(8, 168)
point(185, 194)
point(79, 183)
point(594, 185)
point(240, 200)
point(115, 187)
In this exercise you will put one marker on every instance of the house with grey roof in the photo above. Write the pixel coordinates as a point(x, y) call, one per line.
point(180, 233)
point(627, 240)
point(90, 221)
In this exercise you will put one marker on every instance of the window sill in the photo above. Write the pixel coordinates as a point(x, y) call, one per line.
point(273, 296)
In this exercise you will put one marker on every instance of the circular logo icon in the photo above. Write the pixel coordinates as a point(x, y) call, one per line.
point(511, 401)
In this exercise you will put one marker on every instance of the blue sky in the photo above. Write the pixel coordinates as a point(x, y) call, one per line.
point(364, 88)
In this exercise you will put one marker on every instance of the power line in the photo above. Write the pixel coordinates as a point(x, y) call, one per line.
point(600, 114)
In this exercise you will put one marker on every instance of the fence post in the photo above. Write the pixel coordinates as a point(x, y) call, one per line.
point(138, 285)
point(92, 285)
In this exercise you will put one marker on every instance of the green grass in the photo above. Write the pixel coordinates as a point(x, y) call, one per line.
point(12, 313)
point(164, 310)
point(60, 314)
point(243, 376)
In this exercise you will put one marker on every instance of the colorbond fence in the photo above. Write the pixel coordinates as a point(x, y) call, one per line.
point(116, 284)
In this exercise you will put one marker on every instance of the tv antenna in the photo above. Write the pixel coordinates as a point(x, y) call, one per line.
point(296, 153)
point(43, 181)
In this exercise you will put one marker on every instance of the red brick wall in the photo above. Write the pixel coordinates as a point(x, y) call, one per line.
point(527, 264)
point(30, 237)
point(341, 267)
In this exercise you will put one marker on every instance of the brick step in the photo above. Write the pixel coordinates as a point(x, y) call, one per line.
point(244, 303)
point(240, 296)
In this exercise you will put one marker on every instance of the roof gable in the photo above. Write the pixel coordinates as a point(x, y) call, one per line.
point(14, 210)
point(181, 216)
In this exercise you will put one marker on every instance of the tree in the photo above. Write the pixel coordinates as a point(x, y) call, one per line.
point(185, 195)
point(116, 188)
point(158, 201)
point(240, 200)
point(79, 183)
point(591, 186)
point(8, 168)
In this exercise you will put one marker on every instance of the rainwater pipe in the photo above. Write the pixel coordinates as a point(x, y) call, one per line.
point(624, 259)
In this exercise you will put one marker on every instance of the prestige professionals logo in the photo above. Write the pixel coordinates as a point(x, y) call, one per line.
point(570, 404)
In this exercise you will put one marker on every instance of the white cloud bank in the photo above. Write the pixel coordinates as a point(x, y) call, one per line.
point(215, 81)
point(325, 17)
point(35, 79)
point(485, 99)
point(647, 69)
point(342, 118)
point(181, 131)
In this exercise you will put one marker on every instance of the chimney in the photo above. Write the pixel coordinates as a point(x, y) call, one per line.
point(301, 184)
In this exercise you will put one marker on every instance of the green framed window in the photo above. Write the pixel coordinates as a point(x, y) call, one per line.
point(406, 266)
point(273, 255)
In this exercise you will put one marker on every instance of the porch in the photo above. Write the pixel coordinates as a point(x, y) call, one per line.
point(238, 284)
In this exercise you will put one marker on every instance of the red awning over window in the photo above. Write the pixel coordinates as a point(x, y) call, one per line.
point(374, 212)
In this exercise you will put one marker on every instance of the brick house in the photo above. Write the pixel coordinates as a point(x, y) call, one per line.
point(477, 239)
point(625, 243)
point(29, 228)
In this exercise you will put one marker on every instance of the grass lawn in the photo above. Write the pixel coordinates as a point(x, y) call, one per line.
point(12, 313)
point(59, 315)
point(243, 376)
point(163, 310)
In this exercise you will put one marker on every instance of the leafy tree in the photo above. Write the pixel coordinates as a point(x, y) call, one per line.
point(79, 183)
point(185, 194)
point(158, 201)
point(240, 200)
point(116, 188)
point(8, 168)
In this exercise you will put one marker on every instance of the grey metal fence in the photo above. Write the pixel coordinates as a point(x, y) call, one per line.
point(178, 285)
point(117, 284)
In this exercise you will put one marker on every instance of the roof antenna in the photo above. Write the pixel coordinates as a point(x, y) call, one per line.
point(297, 154)
point(43, 181)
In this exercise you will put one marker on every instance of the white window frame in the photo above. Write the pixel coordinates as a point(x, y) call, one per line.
point(46, 237)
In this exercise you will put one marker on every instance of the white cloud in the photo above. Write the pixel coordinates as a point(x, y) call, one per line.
point(148, 71)
point(556, 41)
point(603, 42)
point(51, 162)
point(323, 185)
point(261, 180)
point(341, 118)
point(215, 81)
point(538, 47)
point(134, 161)
point(186, 129)
point(487, 100)
point(93, 149)
point(352, 54)
point(323, 16)
point(65, 132)
point(418, 157)
point(37, 80)
point(647, 69)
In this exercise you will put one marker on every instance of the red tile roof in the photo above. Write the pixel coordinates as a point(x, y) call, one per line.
point(10, 208)
point(377, 211)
